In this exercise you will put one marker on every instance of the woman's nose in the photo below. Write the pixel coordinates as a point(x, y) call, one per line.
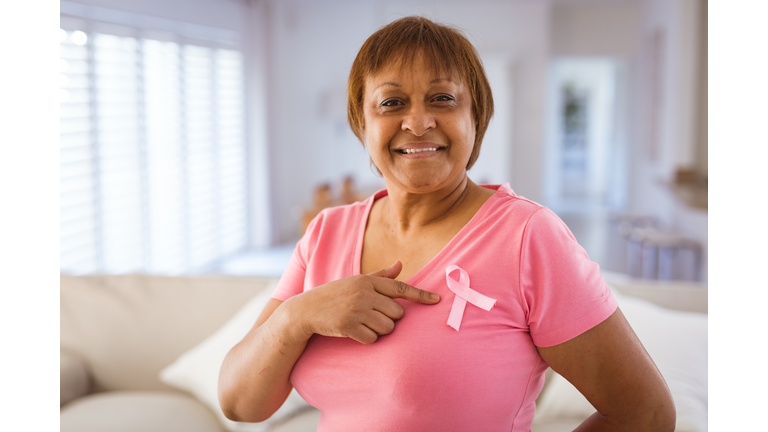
point(418, 120)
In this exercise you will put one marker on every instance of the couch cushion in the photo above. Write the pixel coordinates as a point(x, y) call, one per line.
point(197, 370)
point(129, 327)
point(678, 295)
point(561, 425)
point(305, 421)
point(137, 412)
point(75, 381)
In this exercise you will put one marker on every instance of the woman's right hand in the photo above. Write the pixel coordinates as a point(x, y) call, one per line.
point(359, 307)
point(255, 376)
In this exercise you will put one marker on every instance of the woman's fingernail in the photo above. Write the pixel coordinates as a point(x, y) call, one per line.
point(434, 296)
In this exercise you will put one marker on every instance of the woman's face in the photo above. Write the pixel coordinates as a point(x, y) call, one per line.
point(419, 126)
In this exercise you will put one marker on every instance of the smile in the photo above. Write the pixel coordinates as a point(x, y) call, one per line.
point(409, 151)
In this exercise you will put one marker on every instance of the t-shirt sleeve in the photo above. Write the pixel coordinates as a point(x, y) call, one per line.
point(562, 291)
point(292, 280)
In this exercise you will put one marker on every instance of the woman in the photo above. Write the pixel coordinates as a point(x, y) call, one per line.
point(486, 291)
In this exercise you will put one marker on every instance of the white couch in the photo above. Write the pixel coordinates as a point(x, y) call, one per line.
point(119, 332)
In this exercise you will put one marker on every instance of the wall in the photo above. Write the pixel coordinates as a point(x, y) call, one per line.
point(257, 47)
point(702, 98)
point(224, 14)
point(649, 191)
point(312, 46)
point(596, 29)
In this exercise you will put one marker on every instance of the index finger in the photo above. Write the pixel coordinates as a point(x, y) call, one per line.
point(397, 289)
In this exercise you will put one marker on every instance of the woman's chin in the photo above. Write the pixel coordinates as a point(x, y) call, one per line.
point(424, 182)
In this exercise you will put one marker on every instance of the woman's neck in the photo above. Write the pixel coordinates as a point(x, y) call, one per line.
point(407, 212)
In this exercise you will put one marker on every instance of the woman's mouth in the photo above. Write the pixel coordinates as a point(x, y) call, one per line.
point(419, 153)
point(410, 151)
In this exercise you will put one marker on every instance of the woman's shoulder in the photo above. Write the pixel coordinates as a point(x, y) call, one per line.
point(523, 216)
point(509, 205)
point(341, 211)
point(340, 216)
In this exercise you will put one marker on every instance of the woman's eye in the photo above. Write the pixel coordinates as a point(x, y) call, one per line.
point(391, 103)
point(443, 98)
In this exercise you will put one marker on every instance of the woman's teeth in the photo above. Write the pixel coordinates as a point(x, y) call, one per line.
point(407, 151)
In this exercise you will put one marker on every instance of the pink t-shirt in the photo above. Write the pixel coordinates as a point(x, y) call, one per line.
point(425, 375)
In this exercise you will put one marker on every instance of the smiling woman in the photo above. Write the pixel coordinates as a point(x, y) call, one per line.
point(486, 292)
point(402, 108)
point(441, 51)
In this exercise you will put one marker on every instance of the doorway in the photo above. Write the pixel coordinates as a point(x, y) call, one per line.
point(585, 163)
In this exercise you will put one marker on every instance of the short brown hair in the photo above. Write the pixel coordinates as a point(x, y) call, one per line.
point(444, 47)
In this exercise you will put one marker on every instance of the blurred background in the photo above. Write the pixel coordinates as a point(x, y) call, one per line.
point(199, 136)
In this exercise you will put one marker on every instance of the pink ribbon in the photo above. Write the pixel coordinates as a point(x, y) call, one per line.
point(464, 294)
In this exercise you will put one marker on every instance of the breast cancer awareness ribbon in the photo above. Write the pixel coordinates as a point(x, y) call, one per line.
point(464, 294)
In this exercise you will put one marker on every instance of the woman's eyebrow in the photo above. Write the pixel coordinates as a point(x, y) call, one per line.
point(437, 80)
point(394, 84)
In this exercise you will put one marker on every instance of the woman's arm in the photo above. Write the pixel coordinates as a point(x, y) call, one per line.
point(612, 369)
point(254, 380)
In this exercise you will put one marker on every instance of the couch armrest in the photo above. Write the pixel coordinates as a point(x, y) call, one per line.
point(75, 379)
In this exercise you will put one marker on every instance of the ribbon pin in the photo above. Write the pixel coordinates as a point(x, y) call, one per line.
point(464, 294)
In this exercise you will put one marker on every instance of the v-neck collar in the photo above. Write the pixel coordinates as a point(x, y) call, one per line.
point(501, 190)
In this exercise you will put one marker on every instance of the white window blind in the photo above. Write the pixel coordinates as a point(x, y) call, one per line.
point(153, 156)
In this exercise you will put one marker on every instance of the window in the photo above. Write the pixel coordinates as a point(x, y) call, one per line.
point(152, 149)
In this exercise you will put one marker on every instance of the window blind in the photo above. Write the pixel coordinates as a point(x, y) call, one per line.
point(153, 156)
